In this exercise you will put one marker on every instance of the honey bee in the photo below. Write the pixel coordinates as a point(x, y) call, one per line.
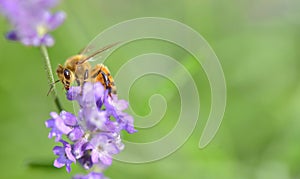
point(78, 69)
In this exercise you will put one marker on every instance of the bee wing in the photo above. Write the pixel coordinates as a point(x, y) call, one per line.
point(93, 53)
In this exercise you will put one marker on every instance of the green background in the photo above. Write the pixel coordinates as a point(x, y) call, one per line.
point(257, 43)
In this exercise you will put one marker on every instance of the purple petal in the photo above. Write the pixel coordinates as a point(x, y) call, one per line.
point(99, 140)
point(54, 131)
point(121, 105)
point(50, 123)
point(75, 134)
point(86, 161)
point(57, 164)
point(47, 40)
point(69, 154)
point(111, 148)
point(69, 118)
point(68, 167)
point(57, 150)
point(62, 127)
point(89, 146)
point(106, 159)
point(98, 119)
point(88, 97)
point(55, 20)
point(58, 136)
point(80, 147)
point(94, 157)
point(129, 127)
point(73, 93)
point(98, 91)
point(65, 156)
point(12, 35)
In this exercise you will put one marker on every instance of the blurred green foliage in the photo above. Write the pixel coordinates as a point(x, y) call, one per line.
point(257, 43)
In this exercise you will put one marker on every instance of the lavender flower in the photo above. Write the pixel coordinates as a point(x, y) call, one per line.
point(65, 123)
point(115, 107)
point(104, 146)
point(65, 156)
point(31, 20)
point(94, 133)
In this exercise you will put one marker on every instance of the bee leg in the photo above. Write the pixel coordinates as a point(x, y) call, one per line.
point(101, 74)
point(108, 84)
point(95, 72)
point(104, 77)
point(77, 80)
point(52, 87)
point(81, 82)
point(50, 90)
point(86, 74)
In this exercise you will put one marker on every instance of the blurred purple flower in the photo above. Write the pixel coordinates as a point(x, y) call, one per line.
point(65, 156)
point(31, 20)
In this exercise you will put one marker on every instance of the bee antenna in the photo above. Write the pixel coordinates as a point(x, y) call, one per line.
point(97, 52)
point(52, 87)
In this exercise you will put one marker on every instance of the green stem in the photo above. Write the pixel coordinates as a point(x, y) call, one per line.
point(50, 76)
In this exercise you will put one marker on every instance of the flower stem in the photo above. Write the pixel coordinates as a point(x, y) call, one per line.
point(50, 76)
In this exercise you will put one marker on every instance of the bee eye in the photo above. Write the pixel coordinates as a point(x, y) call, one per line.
point(67, 74)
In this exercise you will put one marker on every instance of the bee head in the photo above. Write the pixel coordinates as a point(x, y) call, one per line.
point(65, 76)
